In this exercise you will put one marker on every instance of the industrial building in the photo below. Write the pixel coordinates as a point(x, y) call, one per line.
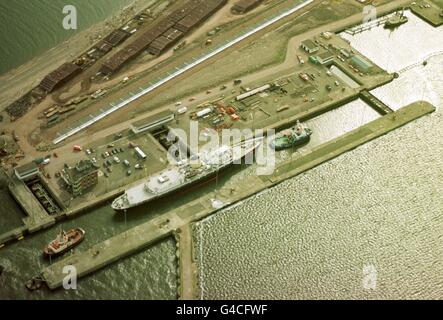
point(81, 177)
point(244, 6)
point(59, 76)
point(309, 46)
point(325, 58)
point(361, 63)
point(27, 171)
point(152, 123)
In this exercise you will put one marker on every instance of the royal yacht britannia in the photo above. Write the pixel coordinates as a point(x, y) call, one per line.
point(196, 169)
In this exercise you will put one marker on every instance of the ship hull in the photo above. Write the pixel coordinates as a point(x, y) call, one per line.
point(299, 143)
point(184, 187)
point(78, 238)
point(394, 24)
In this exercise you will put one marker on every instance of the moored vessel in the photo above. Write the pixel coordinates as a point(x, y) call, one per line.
point(396, 20)
point(188, 172)
point(65, 240)
point(293, 137)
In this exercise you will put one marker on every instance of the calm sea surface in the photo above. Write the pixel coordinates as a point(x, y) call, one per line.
point(30, 27)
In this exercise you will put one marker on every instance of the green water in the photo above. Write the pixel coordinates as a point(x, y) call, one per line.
point(31, 27)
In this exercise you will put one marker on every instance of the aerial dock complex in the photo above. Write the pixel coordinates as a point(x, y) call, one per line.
point(101, 128)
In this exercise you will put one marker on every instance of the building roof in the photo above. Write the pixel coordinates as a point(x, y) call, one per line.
point(159, 118)
point(361, 62)
point(26, 168)
point(309, 44)
point(81, 169)
point(325, 55)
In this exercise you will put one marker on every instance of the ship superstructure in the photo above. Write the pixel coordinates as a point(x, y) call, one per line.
point(187, 172)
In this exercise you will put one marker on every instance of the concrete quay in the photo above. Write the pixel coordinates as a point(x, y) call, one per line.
point(187, 266)
point(37, 217)
point(137, 238)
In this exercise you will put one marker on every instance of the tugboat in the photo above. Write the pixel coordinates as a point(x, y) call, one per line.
point(396, 20)
point(65, 240)
point(293, 137)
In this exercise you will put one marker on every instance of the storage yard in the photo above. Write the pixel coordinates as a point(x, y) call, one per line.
point(165, 33)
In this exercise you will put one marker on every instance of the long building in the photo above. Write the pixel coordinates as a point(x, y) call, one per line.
point(163, 34)
point(59, 76)
point(244, 6)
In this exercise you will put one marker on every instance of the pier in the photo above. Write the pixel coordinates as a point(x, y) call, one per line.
point(180, 219)
point(187, 266)
point(375, 103)
point(367, 26)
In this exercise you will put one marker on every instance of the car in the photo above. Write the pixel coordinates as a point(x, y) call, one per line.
point(103, 156)
point(121, 149)
point(182, 110)
point(129, 172)
point(106, 174)
point(107, 154)
point(138, 166)
point(126, 162)
point(117, 160)
point(109, 169)
point(109, 163)
point(88, 152)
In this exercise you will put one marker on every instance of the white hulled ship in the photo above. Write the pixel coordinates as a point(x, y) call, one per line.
point(185, 173)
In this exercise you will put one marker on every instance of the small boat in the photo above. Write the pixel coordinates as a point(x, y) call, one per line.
point(65, 240)
point(293, 137)
point(396, 20)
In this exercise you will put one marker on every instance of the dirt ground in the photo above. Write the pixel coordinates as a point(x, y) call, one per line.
point(264, 51)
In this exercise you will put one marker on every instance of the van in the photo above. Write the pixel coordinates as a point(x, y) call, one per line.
point(182, 110)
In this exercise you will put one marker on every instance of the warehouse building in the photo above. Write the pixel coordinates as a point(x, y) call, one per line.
point(61, 75)
point(309, 46)
point(361, 64)
point(27, 171)
point(152, 123)
point(325, 58)
point(244, 6)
